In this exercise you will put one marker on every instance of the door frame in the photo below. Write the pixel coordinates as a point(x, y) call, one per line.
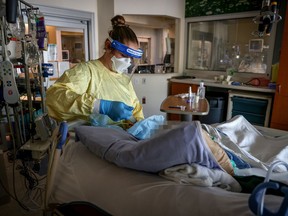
point(68, 18)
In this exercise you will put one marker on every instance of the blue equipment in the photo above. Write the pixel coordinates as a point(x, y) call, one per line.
point(256, 200)
point(125, 49)
point(62, 136)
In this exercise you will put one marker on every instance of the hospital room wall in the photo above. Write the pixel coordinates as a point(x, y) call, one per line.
point(152, 89)
point(160, 7)
point(84, 5)
point(105, 11)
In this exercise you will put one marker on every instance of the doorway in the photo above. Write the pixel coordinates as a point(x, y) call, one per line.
point(64, 23)
point(70, 34)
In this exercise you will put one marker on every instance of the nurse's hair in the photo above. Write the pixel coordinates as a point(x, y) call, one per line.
point(121, 32)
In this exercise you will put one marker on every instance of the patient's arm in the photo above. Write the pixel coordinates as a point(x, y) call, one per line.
point(218, 153)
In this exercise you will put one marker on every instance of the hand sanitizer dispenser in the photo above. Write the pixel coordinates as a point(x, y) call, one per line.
point(201, 91)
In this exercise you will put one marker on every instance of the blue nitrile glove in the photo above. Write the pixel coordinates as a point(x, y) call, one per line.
point(116, 110)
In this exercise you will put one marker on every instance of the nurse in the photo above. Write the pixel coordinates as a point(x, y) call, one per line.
point(101, 86)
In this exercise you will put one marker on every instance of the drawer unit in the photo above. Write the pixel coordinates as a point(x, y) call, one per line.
point(250, 105)
point(255, 108)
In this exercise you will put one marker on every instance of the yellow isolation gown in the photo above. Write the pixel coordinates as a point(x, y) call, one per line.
point(72, 96)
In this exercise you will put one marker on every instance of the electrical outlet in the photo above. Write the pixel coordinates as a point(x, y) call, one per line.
point(143, 81)
point(136, 81)
point(143, 100)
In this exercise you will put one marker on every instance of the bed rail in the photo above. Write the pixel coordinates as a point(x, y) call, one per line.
point(256, 200)
point(59, 138)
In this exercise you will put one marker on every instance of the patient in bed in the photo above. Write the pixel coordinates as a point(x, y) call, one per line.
point(185, 149)
point(149, 127)
point(186, 143)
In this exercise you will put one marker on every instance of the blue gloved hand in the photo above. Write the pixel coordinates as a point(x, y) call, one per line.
point(115, 110)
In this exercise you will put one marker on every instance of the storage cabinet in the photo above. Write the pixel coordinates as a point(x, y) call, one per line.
point(255, 108)
point(224, 104)
point(179, 88)
point(279, 119)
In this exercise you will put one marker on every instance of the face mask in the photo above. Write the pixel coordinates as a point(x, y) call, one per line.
point(120, 65)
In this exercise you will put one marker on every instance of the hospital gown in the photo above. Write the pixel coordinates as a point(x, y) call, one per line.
point(72, 96)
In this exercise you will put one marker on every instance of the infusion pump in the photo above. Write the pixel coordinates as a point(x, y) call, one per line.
point(44, 127)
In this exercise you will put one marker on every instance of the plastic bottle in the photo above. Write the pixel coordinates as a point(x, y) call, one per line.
point(201, 91)
point(190, 95)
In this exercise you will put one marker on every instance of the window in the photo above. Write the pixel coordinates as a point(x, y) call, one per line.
point(219, 44)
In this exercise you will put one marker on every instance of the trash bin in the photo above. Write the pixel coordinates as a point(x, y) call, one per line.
point(216, 113)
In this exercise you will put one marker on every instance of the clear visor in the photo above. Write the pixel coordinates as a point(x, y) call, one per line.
point(132, 68)
point(125, 49)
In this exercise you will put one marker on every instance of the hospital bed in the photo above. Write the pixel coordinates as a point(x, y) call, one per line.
point(77, 174)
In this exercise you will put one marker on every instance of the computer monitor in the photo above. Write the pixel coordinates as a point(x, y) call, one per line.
point(256, 45)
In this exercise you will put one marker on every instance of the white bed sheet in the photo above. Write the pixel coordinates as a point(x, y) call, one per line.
point(81, 176)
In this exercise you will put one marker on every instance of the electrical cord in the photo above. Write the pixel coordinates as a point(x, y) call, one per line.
point(34, 198)
point(34, 190)
point(14, 188)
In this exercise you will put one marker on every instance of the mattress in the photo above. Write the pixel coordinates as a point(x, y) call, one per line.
point(82, 176)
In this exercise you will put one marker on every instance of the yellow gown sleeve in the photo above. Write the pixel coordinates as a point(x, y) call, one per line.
point(138, 109)
point(67, 99)
point(73, 95)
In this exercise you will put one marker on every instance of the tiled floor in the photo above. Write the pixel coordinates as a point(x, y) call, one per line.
point(12, 208)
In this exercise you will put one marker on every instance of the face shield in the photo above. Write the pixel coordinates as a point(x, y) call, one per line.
point(135, 55)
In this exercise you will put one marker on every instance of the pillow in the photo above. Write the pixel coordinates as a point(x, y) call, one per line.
point(180, 145)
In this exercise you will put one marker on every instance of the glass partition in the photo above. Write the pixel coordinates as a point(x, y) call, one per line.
point(228, 43)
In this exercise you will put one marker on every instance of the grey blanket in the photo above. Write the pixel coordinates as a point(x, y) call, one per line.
point(181, 145)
